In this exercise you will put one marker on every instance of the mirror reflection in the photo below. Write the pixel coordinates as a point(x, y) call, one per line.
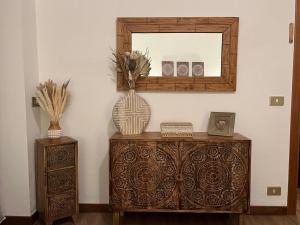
point(181, 54)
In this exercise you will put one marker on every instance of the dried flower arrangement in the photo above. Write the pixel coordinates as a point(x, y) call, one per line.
point(133, 65)
point(52, 99)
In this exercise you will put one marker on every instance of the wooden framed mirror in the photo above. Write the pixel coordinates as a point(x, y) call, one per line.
point(187, 53)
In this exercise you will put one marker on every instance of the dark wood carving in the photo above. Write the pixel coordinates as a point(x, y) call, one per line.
point(60, 205)
point(143, 175)
point(61, 180)
point(214, 176)
point(57, 179)
point(202, 174)
point(60, 156)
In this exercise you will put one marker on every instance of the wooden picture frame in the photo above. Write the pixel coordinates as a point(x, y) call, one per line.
point(221, 123)
point(228, 26)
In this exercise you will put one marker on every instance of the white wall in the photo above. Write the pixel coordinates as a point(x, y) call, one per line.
point(19, 75)
point(33, 118)
point(74, 41)
point(13, 141)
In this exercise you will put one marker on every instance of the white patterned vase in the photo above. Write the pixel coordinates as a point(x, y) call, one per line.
point(131, 114)
point(54, 130)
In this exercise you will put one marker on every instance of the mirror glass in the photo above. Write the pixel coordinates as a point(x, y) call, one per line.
point(181, 54)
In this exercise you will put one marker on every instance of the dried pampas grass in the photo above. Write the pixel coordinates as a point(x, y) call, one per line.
point(52, 98)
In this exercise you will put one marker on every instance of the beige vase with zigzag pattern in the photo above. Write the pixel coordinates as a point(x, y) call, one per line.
point(131, 114)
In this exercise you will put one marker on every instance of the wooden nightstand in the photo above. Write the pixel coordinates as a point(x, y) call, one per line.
point(57, 178)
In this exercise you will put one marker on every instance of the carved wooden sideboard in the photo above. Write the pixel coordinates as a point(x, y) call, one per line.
point(199, 174)
point(56, 178)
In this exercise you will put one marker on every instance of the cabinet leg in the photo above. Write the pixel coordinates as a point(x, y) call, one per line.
point(121, 218)
point(116, 218)
point(75, 219)
point(234, 219)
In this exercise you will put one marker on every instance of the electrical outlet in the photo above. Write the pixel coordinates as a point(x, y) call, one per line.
point(271, 191)
point(276, 101)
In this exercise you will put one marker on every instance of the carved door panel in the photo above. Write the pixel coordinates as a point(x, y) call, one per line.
point(62, 205)
point(60, 156)
point(214, 176)
point(143, 175)
point(61, 180)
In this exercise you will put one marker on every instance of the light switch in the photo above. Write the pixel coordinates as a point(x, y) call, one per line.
point(276, 101)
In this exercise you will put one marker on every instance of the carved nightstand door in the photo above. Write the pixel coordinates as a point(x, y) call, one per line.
point(57, 178)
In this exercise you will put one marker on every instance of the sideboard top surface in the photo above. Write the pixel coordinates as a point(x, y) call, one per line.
point(56, 141)
point(197, 136)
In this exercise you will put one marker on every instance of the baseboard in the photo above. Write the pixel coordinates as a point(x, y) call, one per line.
point(94, 208)
point(268, 210)
point(105, 208)
point(254, 210)
point(20, 220)
point(30, 220)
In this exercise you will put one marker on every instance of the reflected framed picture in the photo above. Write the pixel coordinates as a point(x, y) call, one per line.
point(182, 69)
point(221, 123)
point(167, 68)
point(198, 69)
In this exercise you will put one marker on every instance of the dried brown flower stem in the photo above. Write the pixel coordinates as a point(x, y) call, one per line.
point(133, 65)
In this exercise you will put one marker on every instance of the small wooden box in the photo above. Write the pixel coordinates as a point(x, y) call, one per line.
point(176, 129)
point(56, 178)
